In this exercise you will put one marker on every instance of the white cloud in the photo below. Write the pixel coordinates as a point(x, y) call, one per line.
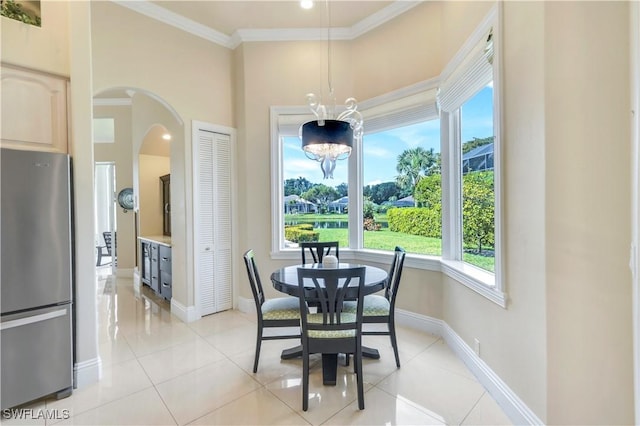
point(378, 151)
point(300, 167)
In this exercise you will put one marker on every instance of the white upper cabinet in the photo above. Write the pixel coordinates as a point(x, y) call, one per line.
point(34, 110)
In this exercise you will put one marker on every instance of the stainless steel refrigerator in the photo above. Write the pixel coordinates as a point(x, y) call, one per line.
point(36, 284)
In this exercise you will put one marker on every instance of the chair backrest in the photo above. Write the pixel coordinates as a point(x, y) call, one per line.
point(107, 241)
point(328, 289)
point(318, 250)
point(254, 280)
point(395, 273)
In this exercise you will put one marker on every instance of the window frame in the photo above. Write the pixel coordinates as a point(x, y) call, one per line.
point(490, 285)
point(395, 109)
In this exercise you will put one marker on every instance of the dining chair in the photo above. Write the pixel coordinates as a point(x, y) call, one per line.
point(106, 249)
point(276, 312)
point(380, 309)
point(318, 250)
point(330, 330)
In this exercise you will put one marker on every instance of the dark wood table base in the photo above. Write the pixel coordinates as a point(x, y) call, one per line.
point(329, 362)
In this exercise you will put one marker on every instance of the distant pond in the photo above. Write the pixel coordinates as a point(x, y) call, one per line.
point(327, 224)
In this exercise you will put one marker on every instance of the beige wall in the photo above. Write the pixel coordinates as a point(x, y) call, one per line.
point(401, 52)
point(588, 229)
point(45, 48)
point(191, 74)
point(458, 19)
point(120, 152)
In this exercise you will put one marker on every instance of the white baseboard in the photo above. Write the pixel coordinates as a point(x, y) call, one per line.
point(248, 306)
point(86, 372)
point(510, 403)
point(185, 313)
point(419, 322)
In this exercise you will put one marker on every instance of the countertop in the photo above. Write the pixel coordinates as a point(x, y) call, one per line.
point(160, 239)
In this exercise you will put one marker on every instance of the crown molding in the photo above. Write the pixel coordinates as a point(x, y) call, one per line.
point(290, 34)
point(382, 16)
point(178, 21)
point(161, 14)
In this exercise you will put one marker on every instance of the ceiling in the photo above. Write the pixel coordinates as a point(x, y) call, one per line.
point(228, 17)
point(231, 22)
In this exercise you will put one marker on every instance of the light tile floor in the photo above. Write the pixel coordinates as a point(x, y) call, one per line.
point(158, 370)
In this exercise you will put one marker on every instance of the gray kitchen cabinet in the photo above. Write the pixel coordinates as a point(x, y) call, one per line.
point(164, 271)
point(156, 265)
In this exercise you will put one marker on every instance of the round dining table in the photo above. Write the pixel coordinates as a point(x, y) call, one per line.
point(285, 280)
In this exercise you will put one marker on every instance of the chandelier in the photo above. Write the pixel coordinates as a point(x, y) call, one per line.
point(328, 139)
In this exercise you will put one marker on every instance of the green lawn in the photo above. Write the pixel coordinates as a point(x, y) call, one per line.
point(387, 240)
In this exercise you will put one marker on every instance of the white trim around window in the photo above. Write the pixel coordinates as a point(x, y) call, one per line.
point(468, 72)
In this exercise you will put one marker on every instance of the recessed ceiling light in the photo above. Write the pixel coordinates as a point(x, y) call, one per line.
point(306, 4)
point(166, 137)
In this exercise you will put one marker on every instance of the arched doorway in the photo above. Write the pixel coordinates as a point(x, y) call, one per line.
point(146, 130)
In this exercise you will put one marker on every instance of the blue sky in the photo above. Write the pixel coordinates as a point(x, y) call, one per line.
point(381, 150)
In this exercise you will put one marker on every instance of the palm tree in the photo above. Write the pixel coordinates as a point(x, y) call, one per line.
point(413, 164)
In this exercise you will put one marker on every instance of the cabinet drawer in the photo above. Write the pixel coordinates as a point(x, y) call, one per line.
point(155, 280)
point(165, 285)
point(165, 259)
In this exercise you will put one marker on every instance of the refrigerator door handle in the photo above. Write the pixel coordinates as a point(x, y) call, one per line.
point(30, 320)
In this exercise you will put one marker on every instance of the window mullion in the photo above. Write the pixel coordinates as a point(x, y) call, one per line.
point(451, 186)
point(356, 205)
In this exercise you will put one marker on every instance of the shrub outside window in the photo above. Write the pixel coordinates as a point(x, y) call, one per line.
point(315, 209)
point(402, 190)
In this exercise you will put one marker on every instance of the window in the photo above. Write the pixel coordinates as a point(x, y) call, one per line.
point(477, 192)
point(471, 158)
point(402, 190)
point(104, 130)
point(352, 208)
point(425, 178)
point(314, 208)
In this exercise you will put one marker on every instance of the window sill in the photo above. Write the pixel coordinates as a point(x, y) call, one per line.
point(482, 282)
point(478, 280)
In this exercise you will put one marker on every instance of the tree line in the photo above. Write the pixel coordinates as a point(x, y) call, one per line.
point(419, 175)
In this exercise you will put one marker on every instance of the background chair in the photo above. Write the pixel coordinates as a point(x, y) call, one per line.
point(316, 251)
point(105, 250)
point(277, 312)
point(330, 330)
point(381, 309)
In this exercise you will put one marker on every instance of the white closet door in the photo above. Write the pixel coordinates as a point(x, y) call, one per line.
point(213, 221)
point(222, 222)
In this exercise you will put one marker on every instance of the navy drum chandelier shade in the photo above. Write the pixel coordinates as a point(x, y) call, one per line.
point(329, 139)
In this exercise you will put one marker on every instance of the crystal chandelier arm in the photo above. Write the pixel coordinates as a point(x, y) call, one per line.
point(353, 116)
point(319, 110)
